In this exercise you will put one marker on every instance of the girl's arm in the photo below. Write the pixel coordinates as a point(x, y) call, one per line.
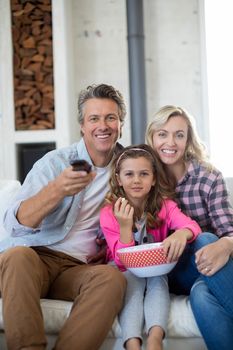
point(174, 244)
point(112, 232)
point(123, 212)
point(185, 228)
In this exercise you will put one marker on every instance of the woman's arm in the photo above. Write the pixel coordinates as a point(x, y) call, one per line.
point(215, 255)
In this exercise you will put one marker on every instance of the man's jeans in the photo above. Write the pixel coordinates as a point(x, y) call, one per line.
point(211, 298)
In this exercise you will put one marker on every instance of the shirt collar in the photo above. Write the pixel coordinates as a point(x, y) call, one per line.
point(193, 171)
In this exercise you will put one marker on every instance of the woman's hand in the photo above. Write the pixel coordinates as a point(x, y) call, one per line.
point(214, 256)
point(123, 212)
point(174, 244)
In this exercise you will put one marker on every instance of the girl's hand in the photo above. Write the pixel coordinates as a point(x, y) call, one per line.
point(174, 244)
point(123, 212)
point(213, 257)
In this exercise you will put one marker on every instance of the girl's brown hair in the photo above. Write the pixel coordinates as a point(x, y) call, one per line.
point(163, 188)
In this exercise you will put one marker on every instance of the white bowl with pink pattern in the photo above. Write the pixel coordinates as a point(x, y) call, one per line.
point(145, 260)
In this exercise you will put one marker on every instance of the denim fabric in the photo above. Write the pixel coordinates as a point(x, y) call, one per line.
point(212, 303)
point(211, 297)
point(214, 321)
point(184, 274)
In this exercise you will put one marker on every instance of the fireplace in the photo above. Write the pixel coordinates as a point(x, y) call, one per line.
point(28, 154)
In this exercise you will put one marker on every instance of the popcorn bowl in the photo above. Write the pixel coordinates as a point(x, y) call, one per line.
point(145, 260)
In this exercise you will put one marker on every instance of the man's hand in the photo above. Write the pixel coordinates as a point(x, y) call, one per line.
point(33, 210)
point(100, 257)
point(71, 182)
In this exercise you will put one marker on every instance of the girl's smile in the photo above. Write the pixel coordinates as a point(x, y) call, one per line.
point(136, 178)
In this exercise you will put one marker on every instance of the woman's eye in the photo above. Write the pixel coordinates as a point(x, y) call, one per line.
point(162, 134)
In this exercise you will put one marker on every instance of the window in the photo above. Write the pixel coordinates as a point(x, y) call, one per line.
point(219, 51)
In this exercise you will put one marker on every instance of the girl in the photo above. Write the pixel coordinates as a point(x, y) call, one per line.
point(201, 193)
point(139, 211)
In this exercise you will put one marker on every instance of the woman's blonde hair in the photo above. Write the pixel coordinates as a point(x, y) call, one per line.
point(195, 149)
point(163, 188)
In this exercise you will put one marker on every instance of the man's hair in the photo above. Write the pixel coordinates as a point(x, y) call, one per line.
point(101, 91)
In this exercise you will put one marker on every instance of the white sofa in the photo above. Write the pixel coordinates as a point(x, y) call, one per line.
point(183, 333)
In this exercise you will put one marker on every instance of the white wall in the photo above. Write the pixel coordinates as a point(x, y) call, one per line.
point(100, 47)
point(173, 55)
point(172, 51)
point(90, 46)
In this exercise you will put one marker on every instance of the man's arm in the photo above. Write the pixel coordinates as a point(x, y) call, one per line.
point(33, 210)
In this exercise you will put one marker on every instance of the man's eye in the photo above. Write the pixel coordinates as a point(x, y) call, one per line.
point(112, 117)
point(93, 119)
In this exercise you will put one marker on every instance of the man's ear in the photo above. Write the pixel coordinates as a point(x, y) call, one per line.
point(121, 131)
point(82, 129)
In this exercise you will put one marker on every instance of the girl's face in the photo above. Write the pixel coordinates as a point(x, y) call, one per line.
point(170, 140)
point(136, 177)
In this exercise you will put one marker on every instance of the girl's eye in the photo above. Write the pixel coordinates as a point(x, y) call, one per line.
point(180, 135)
point(128, 174)
point(144, 174)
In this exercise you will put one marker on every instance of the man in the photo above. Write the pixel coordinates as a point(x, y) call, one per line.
point(54, 225)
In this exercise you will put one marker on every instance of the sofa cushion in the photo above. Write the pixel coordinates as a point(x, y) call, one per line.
point(181, 322)
point(8, 190)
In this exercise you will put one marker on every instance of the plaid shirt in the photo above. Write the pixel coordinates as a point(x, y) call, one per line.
point(202, 195)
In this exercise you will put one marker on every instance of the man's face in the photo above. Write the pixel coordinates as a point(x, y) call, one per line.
point(101, 128)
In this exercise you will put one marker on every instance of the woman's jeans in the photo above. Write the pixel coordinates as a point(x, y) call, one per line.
point(211, 297)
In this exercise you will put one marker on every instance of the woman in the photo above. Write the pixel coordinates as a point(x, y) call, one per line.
point(202, 195)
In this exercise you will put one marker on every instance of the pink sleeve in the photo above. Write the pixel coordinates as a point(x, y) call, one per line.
point(176, 219)
point(111, 231)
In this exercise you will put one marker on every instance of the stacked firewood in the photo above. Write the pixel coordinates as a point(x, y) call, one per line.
point(33, 64)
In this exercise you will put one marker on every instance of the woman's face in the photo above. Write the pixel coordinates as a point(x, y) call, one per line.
point(170, 140)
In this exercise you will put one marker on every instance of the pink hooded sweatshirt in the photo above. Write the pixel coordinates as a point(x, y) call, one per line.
point(172, 219)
